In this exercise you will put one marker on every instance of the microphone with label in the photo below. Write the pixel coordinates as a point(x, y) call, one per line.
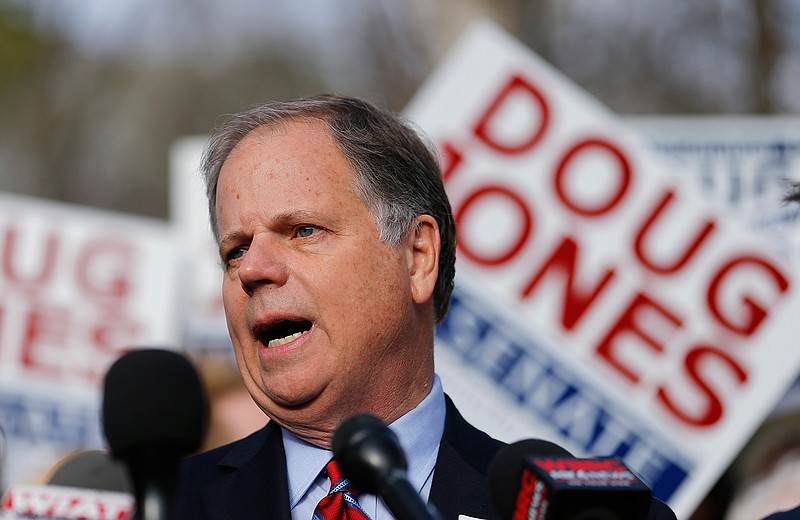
point(370, 455)
point(538, 480)
point(154, 413)
point(86, 485)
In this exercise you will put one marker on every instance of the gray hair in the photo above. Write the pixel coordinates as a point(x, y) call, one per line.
point(793, 195)
point(396, 172)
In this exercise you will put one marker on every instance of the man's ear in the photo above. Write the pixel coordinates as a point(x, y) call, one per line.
point(423, 257)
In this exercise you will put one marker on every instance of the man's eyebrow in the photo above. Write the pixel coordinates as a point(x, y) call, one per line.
point(283, 219)
point(230, 238)
point(296, 216)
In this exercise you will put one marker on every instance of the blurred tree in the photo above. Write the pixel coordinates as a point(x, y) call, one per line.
point(681, 57)
point(93, 125)
point(21, 54)
point(92, 99)
point(20, 48)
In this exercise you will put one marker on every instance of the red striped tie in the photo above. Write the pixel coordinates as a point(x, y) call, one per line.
point(340, 503)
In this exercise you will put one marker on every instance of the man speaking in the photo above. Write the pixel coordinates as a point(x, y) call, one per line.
point(337, 244)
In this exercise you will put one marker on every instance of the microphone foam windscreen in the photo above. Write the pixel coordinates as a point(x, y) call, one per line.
point(95, 470)
point(367, 451)
point(504, 477)
point(153, 400)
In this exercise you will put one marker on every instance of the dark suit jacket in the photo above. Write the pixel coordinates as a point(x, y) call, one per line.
point(248, 478)
point(792, 514)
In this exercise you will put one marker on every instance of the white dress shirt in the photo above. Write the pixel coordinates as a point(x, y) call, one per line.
point(419, 431)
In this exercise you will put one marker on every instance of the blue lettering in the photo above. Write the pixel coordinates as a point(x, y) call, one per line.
point(553, 393)
point(43, 421)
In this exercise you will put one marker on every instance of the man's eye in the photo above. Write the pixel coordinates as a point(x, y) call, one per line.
point(306, 231)
point(235, 254)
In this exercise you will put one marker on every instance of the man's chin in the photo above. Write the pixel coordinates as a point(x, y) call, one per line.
point(295, 402)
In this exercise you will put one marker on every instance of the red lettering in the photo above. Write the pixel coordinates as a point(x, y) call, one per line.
point(752, 314)
point(525, 495)
point(624, 172)
point(50, 334)
point(681, 257)
point(102, 256)
point(550, 464)
point(525, 230)
point(713, 410)
point(451, 160)
point(632, 323)
point(111, 332)
point(563, 464)
point(516, 88)
point(45, 326)
point(576, 302)
point(46, 260)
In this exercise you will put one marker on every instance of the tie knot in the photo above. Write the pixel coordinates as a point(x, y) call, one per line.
point(339, 483)
point(340, 503)
point(333, 472)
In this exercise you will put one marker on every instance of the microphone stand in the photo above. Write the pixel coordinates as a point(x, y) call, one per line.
point(154, 476)
point(402, 499)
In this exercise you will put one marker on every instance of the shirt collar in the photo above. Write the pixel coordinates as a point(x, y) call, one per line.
point(419, 431)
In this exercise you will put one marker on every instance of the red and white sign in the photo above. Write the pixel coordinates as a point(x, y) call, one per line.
point(647, 322)
point(745, 163)
point(66, 503)
point(78, 286)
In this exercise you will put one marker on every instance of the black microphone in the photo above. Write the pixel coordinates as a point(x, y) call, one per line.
point(370, 455)
point(539, 480)
point(505, 471)
point(154, 413)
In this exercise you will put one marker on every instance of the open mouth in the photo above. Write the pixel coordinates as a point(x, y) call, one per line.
point(282, 332)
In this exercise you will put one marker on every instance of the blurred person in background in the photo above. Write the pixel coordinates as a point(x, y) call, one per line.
point(769, 474)
point(777, 487)
point(233, 414)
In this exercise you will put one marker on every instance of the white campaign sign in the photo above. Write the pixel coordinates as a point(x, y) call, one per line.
point(201, 277)
point(601, 301)
point(744, 163)
point(77, 287)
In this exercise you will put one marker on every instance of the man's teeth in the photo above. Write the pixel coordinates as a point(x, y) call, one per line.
point(282, 341)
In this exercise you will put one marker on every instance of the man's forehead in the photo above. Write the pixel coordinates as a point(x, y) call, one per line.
point(301, 151)
point(309, 137)
point(315, 128)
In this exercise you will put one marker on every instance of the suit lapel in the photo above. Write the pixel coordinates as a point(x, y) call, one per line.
point(459, 481)
point(255, 474)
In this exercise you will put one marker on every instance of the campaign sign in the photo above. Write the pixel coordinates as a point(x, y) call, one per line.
point(202, 313)
point(77, 287)
point(601, 301)
point(745, 163)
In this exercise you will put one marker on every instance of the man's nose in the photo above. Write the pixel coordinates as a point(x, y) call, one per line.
point(264, 264)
